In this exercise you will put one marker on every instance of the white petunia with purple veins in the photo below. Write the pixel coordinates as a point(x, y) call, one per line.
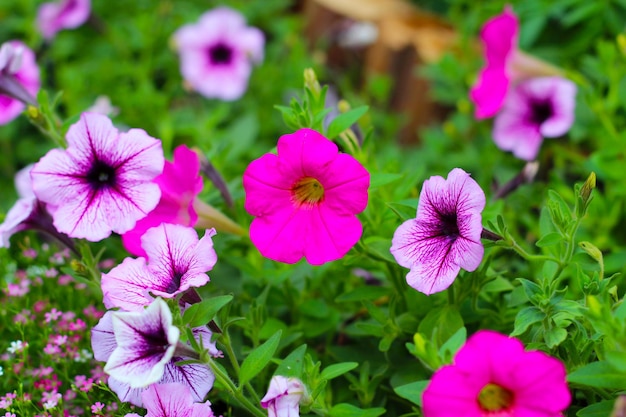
point(102, 182)
point(217, 53)
point(177, 261)
point(146, 341)
point(445, 235)
point(197, 377)
point(173, 400)
point(538, 108)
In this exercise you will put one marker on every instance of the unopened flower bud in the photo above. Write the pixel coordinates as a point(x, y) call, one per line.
point(311, 83)
point(588, 186)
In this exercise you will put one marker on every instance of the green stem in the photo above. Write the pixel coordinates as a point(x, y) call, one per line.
point(235, 364)
point(521, 252)
point(232, 389)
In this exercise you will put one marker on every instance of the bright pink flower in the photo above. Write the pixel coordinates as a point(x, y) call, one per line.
point(173, 400)
point(499, 35)
point(216, 54)
point(445, 235)
point(491, 376)
point(102, 182)
point(19, 79)
point(283, 397)
point(180, 183)
point(305, 200)
point(177, 261)
point(64, 14)
point(534, 109)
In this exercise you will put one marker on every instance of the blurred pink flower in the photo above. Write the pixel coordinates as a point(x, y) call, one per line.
point(19, 79)
point(180, 183)
point(505, 64)
point(499, 36)
point(283, 397)
point(63, 14)
point(492, 375)
point(177, 261)
point(173, 400)
point(534, 109)
point(305, 200)
point(445, 235)
point(217, 53)
point(102, 182)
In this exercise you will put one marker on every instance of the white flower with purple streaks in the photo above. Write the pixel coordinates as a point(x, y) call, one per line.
point(445, 235)
point(102, 182)
point(146, 341)
point(173, 400)
point(534, 109)
point(216, 54)
point(283, 397)
point(177, 261)
point(198, 378)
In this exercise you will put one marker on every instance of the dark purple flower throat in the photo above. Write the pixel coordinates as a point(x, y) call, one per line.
point(220, 54)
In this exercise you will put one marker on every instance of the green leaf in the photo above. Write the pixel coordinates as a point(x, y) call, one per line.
point(454, 343)
point(532, 290)
point(550, 239)
point(363, 293)
point(601, 409)
point(599, 375)
point(293, 364)
point(526, 318)
point(412, 392)
point(258, 358)
point(440, 324)
point(337, 369)
point(378, 179)
point(203, 312)
point(348, 410)
point(344, 121)
point(554, 336)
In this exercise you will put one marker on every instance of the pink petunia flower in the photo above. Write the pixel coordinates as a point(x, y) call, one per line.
point(177, 262)
point(534, 109)
point(173, 400)
point(180, 183)
point(283, 397)
point(19, 79)
point(445, 235)
point(305, 200)
point(102, 182)
point(198, 378)
point(492, 375)
point(217, 53)
point(505, 64)
point(64, 14)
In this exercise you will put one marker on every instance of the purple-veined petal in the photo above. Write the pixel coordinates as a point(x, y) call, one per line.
point(146, 341)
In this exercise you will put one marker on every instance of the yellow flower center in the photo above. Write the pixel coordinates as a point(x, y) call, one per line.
point(307, 191)
point(495, 398)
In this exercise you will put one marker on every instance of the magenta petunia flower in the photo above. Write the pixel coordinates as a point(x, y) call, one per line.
point(445, 235)
point(146, 341)
point(198, 378)
point(173, 400)
point(217, 53)
point(305, 200)
point(499, 36)
point(492, 375)
point(177, 261)
point(180, 183)
point(534, 109)
point(283, 397)
point(19, 79)
point(102, 182)
point(63, 14)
